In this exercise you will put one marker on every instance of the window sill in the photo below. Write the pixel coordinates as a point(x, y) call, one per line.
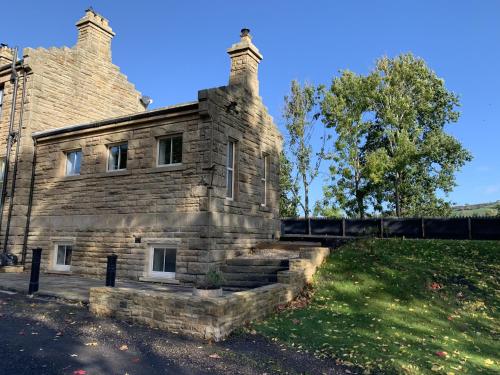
point(57, 272)
point(166, 168)
point(71, 178)
point(121, 172)
point(161, 280)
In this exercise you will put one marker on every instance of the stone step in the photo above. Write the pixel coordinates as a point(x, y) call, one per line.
point(261, 277)
point(252, 269)
point(251, 261)
point(285, 245)
point(243, 285)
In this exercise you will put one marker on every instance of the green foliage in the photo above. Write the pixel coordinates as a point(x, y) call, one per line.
point(212, 280)
point(416, 157)
point(301, 117)
point(391, 152)
point(401, 306)
point(289, 190)
point(346, 108)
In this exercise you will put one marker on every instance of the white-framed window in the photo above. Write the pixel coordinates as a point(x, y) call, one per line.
point(169, 150)
point(73, 162)
point(2, 171)
point(265, 172)
point(231, 147)
point(1, 100)
point(117, 157)
point(63, 254)
point(162, 260)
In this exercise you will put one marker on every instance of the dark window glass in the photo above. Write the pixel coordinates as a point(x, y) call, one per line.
point(170, 150)
point(164, 260)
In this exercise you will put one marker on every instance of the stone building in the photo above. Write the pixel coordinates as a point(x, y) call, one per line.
point(53, 88)
point(172, 191)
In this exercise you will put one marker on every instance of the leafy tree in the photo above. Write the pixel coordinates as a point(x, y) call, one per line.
point(348, 109)
point(410, 153)
point(301, 117)
point(327, 206)
point(498, 209)
point(288, 189)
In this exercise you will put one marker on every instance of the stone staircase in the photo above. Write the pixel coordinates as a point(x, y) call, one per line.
point(267, 261)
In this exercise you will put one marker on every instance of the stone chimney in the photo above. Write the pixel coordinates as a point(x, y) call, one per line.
point(95, 34)
point(6, 54)
point(245, 59)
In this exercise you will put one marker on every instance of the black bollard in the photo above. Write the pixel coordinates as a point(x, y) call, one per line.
point(111, 270)
point(35, 270)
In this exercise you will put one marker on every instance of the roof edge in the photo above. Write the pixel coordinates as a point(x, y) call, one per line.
point(115, 120)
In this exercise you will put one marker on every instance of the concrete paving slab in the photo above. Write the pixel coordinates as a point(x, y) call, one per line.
point(76, 288)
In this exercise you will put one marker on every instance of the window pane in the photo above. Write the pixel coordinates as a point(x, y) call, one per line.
point(229, 192)
point(113, 158)
point(123, 156)
point(177, 150)
point(69, 253)
point(170, 255)
point(164, 151)
point(2, 169)
point(230, 154)
point(158, 259)
point(73, 162)
point(61, 254)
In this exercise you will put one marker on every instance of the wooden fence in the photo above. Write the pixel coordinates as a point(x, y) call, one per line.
point(472, 228)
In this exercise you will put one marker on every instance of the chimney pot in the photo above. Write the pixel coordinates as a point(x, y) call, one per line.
point(245, 59)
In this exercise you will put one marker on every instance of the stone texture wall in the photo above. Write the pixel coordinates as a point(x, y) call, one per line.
point(101, 212)
point(65, 86)
point(208, 318)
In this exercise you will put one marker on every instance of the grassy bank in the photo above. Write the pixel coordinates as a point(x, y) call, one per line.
point(402, 306)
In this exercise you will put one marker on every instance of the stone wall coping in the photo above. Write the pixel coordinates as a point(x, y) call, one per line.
point(122, 120)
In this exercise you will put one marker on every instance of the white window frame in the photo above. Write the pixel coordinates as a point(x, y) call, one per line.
point(66, 154)
point(1, 99)
point(230, 167)
point(119, 157)
point(2, 169)
point(171, 137)
point(158, 274)
point(62, 267)
point(264, 179)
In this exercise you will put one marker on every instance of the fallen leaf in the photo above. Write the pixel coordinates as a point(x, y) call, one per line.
point(91, 344)
point(215, 356)
point(79, 372)
point(74, 355)
point(123, 348)
point(441, 354)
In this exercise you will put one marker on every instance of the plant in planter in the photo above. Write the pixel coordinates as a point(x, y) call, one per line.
point(210, 285)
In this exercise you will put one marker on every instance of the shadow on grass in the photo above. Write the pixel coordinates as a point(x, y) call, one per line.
point(392, 305)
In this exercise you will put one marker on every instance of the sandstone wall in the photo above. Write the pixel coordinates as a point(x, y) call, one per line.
point(66, 86)
point(103, 212)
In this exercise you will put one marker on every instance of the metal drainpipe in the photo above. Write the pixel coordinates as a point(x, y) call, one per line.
point(30, 204)
point(15, 81)
point(16, 160)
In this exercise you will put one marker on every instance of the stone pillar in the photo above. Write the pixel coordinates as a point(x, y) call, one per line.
point(95, 34)
point(245, 59)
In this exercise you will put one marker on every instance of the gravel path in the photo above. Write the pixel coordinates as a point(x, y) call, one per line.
point(48, 336)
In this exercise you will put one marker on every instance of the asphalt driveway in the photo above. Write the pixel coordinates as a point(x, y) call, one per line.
point(49, 336)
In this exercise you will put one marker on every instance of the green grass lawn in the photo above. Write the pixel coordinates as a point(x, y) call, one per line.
point(402, 306)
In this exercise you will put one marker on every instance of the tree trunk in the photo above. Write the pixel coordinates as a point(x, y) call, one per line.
point(397, 198)
point(306, 200)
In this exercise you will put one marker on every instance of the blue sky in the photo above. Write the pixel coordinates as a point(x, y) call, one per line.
point(169, 50)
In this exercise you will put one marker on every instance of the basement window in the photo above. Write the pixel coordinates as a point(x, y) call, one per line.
point(162, 261)
point(170, 150)
point(62, 257)
point(117, 157)
point(73, 162)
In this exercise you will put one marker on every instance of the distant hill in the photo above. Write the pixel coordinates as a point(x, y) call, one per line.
point(480, 209)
